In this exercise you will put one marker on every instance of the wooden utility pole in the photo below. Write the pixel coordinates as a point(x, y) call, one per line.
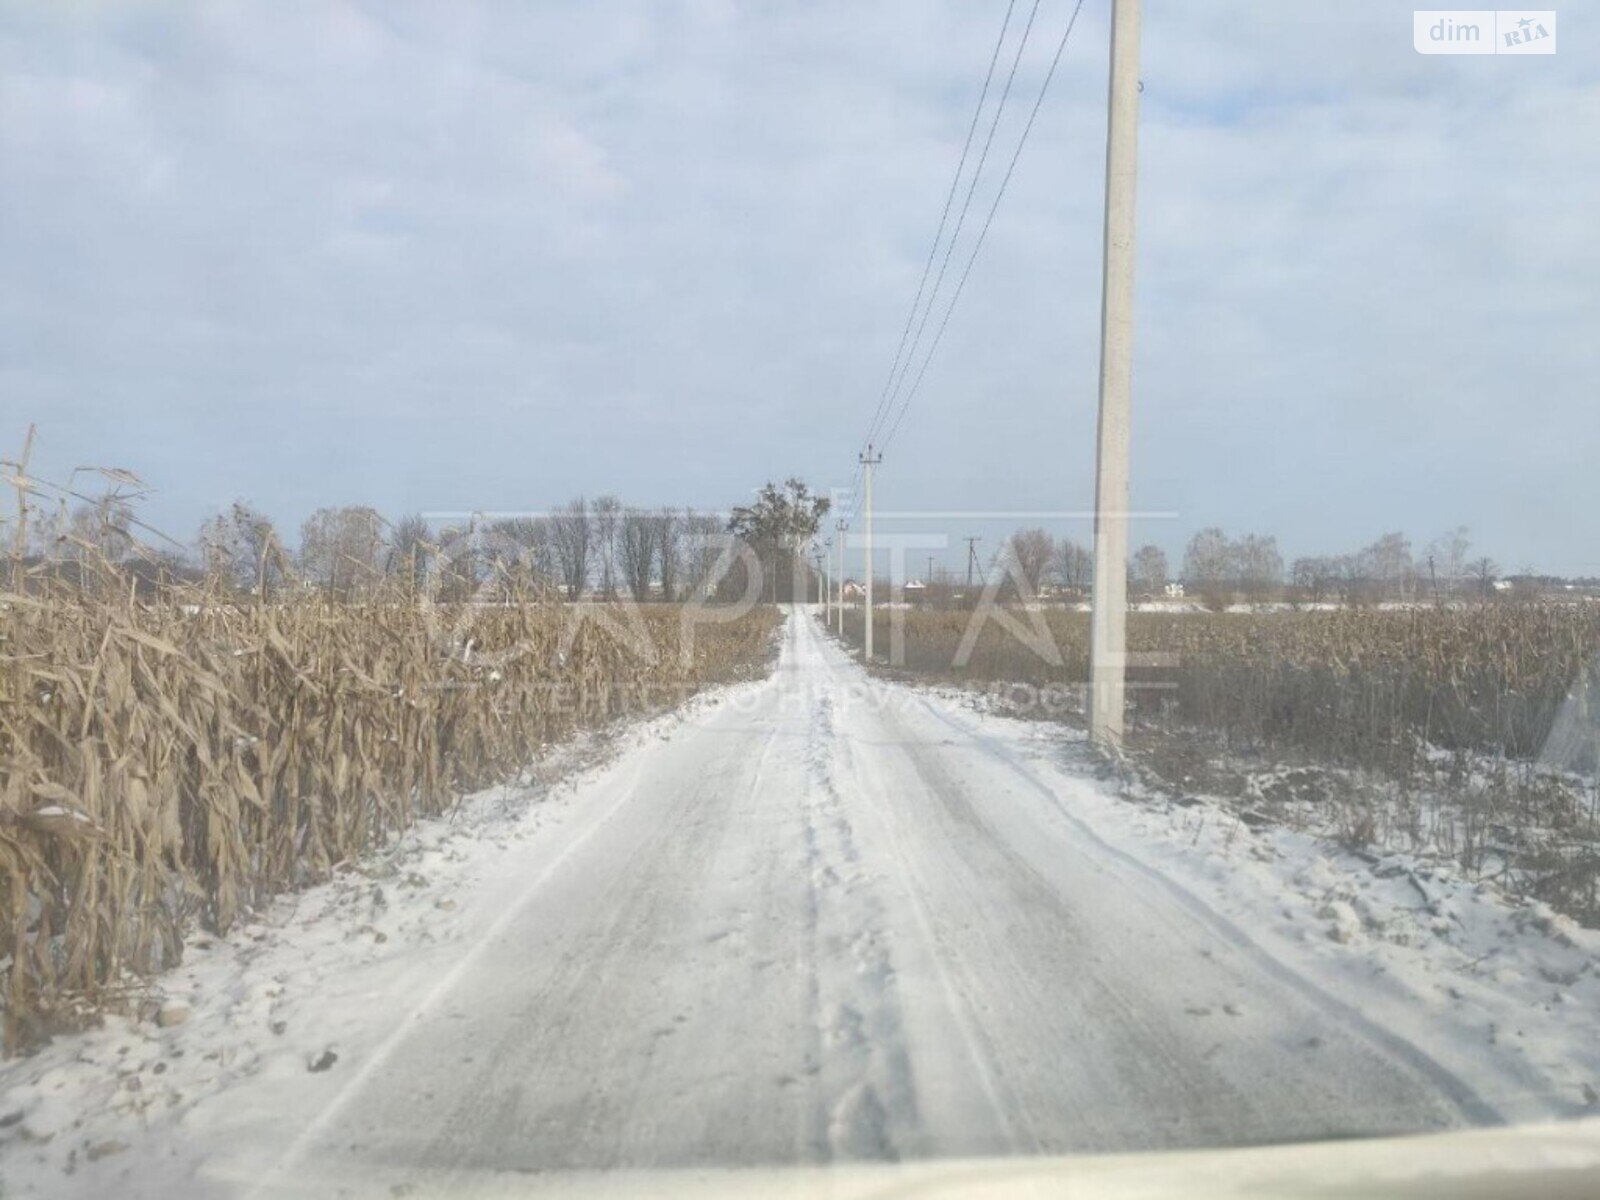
point(1108, 624)
point(868, 461)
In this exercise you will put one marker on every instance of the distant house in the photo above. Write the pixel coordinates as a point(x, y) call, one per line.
point(916, 591)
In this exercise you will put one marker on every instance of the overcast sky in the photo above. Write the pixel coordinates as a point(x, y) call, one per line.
point(456, 255)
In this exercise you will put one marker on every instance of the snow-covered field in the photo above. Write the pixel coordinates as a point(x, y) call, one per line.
point(815, 918)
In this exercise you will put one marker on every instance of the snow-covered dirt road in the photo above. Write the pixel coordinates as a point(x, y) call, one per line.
point(821, 919)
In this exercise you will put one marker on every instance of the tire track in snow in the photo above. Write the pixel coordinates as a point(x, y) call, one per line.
point(276, 1177)
point(865, 783)
point(866, 1074)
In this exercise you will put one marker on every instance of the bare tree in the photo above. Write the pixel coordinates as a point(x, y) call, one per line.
point(1073, 566)
point(1387, 563)
point(669, 550)
point(1030, 551)
point(1208, 566)
point(1216, 566)
point(339, 547)
point(701, 535)
point(1313, 578)
point(1447, 559)
point(572, 539)
point(1483, 571)
point(241, 549)
point(606, 514)
point(636, 550)
point(411, 550)
point(96, 529)
point(1150, 570)
point(1258, 565)
point(533, 538)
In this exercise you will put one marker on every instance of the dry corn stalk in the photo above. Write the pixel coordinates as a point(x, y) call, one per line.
point(180, 757)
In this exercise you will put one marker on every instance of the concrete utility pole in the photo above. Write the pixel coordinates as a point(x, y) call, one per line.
point(869, 460)
point(839, 528)
point(1108, 624)
point(825, 561)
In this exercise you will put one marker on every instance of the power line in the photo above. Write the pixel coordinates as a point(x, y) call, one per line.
point(966, 204)
point(904, 359)
point(955, 181)
point(989, 220)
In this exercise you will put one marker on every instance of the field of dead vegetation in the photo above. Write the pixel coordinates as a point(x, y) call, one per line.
point(1468, 731)
point(170, 757)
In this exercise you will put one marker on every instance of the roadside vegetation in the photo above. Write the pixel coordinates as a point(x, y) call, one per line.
point(184, 734)
point(1461, 730)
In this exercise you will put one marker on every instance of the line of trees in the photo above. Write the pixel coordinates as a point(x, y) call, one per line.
point(601, 548)
point(1031, 558)
point(597, 548)
point(1219, 569)
point(605, 549)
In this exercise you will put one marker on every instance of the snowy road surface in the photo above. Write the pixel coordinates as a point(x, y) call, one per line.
point(811, 919)
point(814, 926)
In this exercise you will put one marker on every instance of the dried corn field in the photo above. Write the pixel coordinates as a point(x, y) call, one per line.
point(1370, 687)
point(1468, 732)
point(172, 760)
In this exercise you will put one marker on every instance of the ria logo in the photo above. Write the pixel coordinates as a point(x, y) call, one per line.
point(1527, 31)
point(1484, 31)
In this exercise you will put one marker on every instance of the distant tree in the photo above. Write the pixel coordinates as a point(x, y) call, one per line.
point(1356, 586)
point(1030, 551)
point(1446, 556)
point(669, 525)
point(572, 539)
point(339, 547)
point(1150, 570)
point(1484, 571)
point(44, 534)
point(539, 537)
point(1209, 567)
point(1072, 566)
point(777, 528)
point(411, 550)
point(98, 529)
point(1257, 565)
point(1314, 578)
point(636, 550)
point(534, 553)
point(1216, 567)
point(606, 515)
point(241, 549)
point(699, 540)
point(1388, 564)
